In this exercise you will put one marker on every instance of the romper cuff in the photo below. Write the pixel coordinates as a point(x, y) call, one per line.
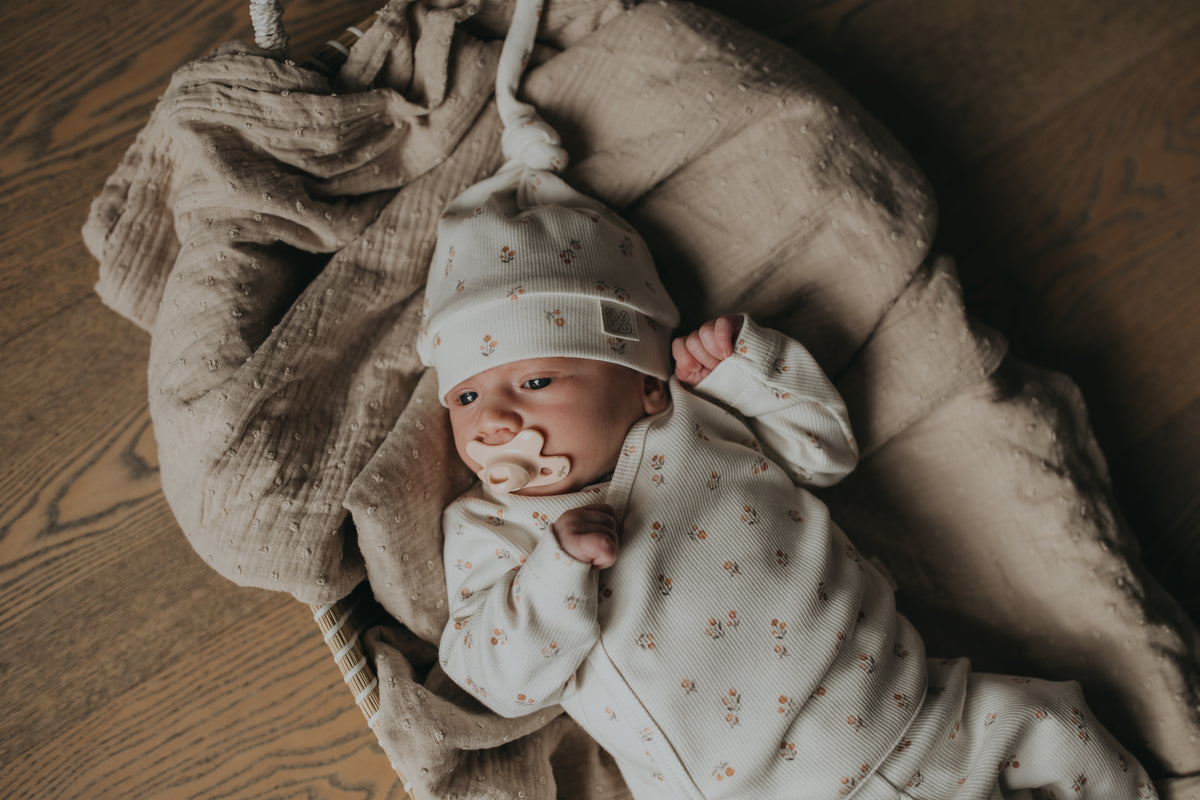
point(738, 381)
point(551, 571)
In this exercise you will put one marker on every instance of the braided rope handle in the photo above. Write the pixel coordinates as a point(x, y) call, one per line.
point(267, 18)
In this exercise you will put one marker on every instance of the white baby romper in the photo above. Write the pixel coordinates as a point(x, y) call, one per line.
point(740, 646)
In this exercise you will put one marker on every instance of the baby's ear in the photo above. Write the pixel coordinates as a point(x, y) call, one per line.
point(654, 395)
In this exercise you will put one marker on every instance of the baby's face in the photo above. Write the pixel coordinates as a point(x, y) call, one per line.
point(582, 407)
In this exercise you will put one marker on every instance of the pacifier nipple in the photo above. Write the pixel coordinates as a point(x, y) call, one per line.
point(518, 463)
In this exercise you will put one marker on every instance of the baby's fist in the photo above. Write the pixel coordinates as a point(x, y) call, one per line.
point(699, 353)
point(589, 534)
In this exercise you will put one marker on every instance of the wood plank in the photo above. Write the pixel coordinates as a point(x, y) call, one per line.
point(98, 104)
point(96, 569)
point(75, 373)
point(116, 622)
point(110, 601)
point(272, 721)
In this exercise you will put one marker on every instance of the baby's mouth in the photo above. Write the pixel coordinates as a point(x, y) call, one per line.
point(518, 463)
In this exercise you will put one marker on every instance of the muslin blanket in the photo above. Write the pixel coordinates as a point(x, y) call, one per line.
point(272, 228)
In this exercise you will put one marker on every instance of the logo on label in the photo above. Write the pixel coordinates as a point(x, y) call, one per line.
point(619, 321)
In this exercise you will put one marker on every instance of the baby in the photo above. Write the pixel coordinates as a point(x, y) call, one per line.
point(642, 552)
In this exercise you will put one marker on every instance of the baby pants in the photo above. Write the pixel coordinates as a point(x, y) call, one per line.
point(994, 736)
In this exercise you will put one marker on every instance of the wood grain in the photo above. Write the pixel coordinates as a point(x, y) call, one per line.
point(1063, 140)
point(129, 668)
point(263, 725)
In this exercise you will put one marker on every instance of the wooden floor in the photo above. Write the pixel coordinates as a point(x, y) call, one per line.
point(1063, 138)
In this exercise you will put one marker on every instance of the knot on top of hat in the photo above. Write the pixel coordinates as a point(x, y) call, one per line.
point(531, 141)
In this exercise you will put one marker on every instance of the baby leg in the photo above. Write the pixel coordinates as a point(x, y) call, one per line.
point(1000, 736)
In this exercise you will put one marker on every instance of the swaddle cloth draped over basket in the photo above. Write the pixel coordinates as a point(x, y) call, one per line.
point(272, 228)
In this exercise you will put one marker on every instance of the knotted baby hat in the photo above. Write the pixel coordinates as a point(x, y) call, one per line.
point(527, 267)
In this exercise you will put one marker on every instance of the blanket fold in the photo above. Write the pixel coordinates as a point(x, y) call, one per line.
point(280, 352)
point(272, 230)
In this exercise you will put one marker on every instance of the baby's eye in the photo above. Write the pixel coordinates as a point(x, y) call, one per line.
point(466, 398)
point(536, 383)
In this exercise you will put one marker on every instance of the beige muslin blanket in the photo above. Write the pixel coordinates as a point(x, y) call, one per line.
point(272, 229)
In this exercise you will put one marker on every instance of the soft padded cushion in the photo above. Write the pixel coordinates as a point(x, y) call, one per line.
point(274, 238)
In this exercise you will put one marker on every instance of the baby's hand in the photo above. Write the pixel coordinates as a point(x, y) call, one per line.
point(589, 534)
point(698, 353)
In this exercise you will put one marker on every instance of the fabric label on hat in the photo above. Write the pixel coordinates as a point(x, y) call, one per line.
point(618, 321)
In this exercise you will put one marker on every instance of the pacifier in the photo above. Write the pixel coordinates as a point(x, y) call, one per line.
point(518, 463)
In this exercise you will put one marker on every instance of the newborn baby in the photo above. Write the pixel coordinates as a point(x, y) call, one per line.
point(642, 552)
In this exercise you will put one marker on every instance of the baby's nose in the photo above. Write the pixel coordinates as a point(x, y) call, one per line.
point(498, 424)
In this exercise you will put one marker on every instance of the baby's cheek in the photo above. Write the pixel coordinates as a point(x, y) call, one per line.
point(460, 447)
point(612, 450)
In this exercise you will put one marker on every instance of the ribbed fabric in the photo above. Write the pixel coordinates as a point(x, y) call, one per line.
point(983, 736)
point(508, 284)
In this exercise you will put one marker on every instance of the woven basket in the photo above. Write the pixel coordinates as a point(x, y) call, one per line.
point(330, 58)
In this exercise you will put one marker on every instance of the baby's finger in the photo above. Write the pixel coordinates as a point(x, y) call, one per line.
point(602, 551)
point(712, 343)
point(695, 346)
point(687, 369)
point(685, 362)
point(726, 328)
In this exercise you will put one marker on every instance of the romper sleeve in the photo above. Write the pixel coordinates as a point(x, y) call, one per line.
point(789, 402)
point(522, 613)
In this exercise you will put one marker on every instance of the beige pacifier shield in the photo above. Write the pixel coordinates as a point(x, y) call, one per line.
point(518, 463)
